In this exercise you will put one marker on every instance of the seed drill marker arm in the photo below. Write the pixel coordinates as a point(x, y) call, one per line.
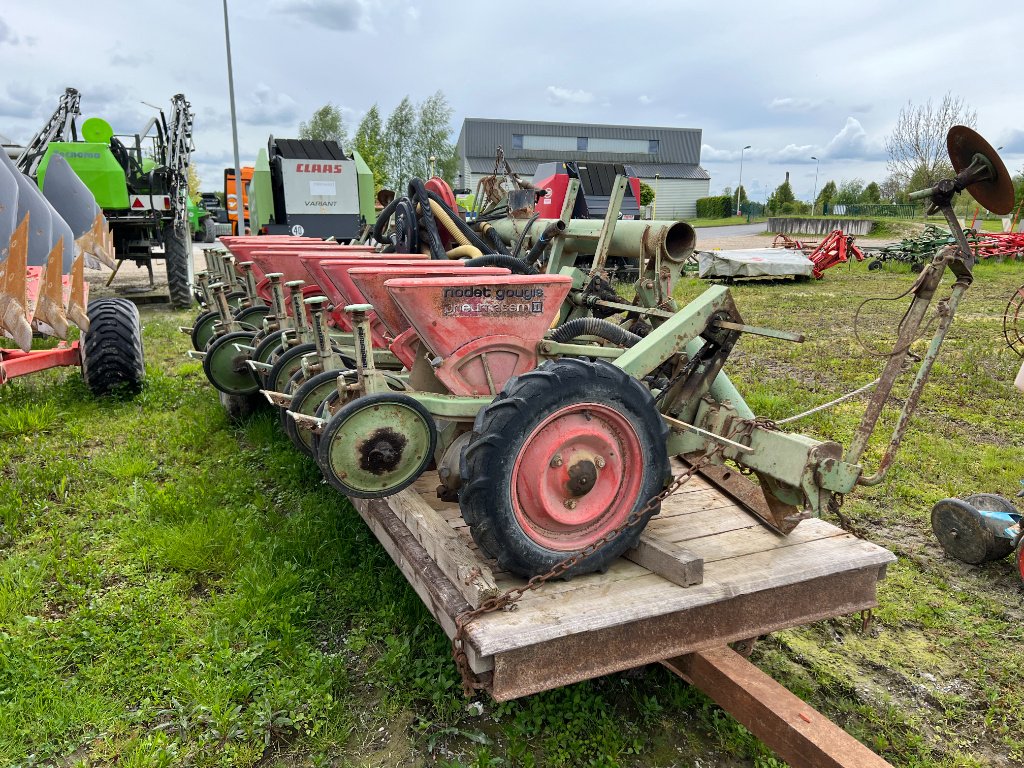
point(797, 473)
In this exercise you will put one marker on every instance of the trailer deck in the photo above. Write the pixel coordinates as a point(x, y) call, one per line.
point(755, 582)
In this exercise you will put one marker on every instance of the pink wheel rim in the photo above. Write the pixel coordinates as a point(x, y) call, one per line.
point(577, 476)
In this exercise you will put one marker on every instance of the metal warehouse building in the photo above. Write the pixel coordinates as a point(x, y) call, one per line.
point(673, 154)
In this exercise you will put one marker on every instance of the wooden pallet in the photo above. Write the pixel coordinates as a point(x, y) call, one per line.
point(750, 581)
point(754, 582)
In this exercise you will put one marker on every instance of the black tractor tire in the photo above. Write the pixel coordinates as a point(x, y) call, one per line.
point(112, 354)
point(209, 229)
point(178, 260)
point(501, 432)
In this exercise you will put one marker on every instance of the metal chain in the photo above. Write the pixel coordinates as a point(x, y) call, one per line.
point(510, 597)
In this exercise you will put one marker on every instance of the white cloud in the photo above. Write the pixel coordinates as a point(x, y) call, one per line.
point(558, 95)
point(7, 34)
point(339, 15)
point(853, 143)
point(792, 104)
point(268, 107)
point(644, 99)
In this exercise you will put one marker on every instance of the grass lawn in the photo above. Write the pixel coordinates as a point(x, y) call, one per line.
point(730, 221)
point(179, 590)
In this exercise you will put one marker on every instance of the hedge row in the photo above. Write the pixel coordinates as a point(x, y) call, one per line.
point(719, 207)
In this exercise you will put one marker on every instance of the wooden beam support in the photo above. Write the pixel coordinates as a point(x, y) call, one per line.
point(798, 733)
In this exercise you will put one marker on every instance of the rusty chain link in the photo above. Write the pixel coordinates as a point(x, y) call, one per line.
point(510, 597)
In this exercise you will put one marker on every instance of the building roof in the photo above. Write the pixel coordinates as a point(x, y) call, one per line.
point(526, 167)
point(479, 138)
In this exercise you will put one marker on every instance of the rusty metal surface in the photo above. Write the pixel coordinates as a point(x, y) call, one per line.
point(776, 515)
point(798, 733)
point(586, 655)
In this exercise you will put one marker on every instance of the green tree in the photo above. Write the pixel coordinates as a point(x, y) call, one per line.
point(194, 184)
point(326, 124)
point(782, 195)
point(433, 129)
point(872, 193)
point(848, 192)
point(742, 194)
point(825, 196)
point(646, 194)
point(400, 145)
point(917, 144)
point(369, 143)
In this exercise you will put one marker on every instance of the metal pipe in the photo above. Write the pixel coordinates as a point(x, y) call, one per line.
point(946, 318)
point(234, 128)
point(580, 236)
point(924, 291)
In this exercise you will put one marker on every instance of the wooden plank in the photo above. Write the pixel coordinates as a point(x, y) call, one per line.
point(799, 734)
point(686, 528)
point(575, 656)
point(670, 561)
point(543, 616)
point(428, 581)
point(463, 567)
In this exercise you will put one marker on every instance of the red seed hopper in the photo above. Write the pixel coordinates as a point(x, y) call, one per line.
point(482, 330)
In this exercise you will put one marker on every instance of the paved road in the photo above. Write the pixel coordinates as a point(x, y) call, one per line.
point(733, 230)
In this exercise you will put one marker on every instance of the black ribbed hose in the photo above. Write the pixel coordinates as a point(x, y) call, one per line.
point(418, 193)
point(593, 326)
point(382, 220)
point(518, 266)
point(472, 236)
point(494, 237)
point(549, 233)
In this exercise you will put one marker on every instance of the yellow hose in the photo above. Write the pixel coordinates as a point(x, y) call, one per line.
point(442, 216)
point(464, 251)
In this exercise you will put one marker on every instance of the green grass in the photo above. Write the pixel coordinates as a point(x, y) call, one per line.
point(730, 221)
point(178, 590)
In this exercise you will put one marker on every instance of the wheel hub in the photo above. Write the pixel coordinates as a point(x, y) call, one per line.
point(382, 452)
point(591, 462)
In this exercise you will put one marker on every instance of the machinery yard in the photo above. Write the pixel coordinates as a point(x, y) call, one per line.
point(264, 608)
point(665, 414)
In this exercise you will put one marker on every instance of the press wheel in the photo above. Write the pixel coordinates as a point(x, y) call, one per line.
point(202, 330)
point(962, 532)
point(226, 367)
point(252, 315)
point(287, 363)
point(559, 461)
point(377, 445)
point(307, 397)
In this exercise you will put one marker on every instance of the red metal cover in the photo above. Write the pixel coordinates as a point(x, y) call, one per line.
point(450, 312)
point(370, 282)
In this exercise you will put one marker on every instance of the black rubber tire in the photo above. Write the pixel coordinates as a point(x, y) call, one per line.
point(300, 394)
point(251, 384)
point(372, 401)
point(252, 316)
point(178, 260)
point(201, 336)
point(325, 410)
point(276, 381)
point(112, 354)
point(873, 265)
point(500, 432)
point(268, 350)
point(209, 230)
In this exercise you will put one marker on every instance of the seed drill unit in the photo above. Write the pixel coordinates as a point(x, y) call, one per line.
point(549, 406)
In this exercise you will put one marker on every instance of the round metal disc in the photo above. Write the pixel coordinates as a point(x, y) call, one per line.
point(252, 315)
point(996, 194)
point(377, 445)
point(307, 399)
point(225, 364)
point(202, 330)
point(960, 530)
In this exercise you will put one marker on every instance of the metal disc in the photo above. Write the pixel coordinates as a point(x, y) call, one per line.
point(996, 194)
point(252, 315)
point(307, 400)
point(959, 528)
point(225, 365)
point(377, 445)
point(202, 330)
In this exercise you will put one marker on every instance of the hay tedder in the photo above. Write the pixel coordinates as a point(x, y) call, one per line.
point(550, 405)
point(45, 240)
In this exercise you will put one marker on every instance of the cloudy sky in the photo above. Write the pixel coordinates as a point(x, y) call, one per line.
point(791, 79)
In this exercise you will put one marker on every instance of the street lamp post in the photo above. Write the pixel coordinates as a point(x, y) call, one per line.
point(239, 210)
point(814, 195)
point(740, 185)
